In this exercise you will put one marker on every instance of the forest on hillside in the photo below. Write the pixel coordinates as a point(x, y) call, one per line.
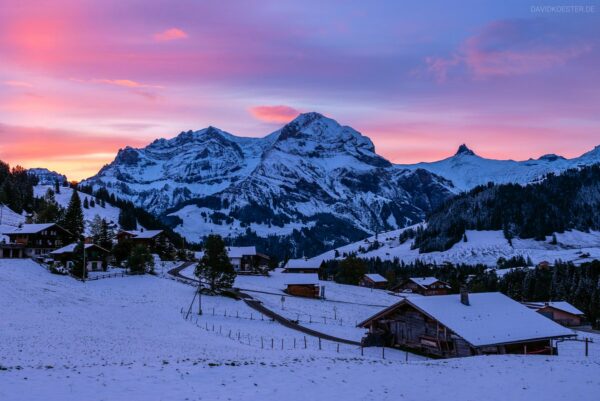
point(555, 204)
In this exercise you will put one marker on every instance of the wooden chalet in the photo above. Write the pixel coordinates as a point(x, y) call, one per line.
point(96, 257)
point(245, 259)
point(302, 285)
point(561, 312)
point(373, 280)
point(34, 240)
point(463, 324)
point(302, 266)
point(149, 238)
point(422, 286)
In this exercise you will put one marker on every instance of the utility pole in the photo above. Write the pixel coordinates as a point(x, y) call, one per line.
point(199, 297)
point(84, 271)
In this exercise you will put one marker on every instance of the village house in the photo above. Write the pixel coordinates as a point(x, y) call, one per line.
point(373, 280)
point(561, 312)
point(423, 286)
point(301, 266)
point(96, 257)
point(33, 240)
point(463, 324)
point(302, 284)
point(245, 259)
point(148, 238)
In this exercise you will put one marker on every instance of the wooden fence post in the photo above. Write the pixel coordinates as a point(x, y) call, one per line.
point(319, 343)
point(304, 342)
point(383, 352)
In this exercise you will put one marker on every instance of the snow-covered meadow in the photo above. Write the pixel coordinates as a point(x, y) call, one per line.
point(125, 339)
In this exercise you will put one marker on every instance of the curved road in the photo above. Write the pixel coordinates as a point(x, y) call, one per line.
point(259, 307)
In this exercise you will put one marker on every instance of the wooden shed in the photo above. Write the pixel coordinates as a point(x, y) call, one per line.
point(463, 325)
point(422, 286)
point(561, 312)
point(302, 285)
point(373, 280)
point(302, 266)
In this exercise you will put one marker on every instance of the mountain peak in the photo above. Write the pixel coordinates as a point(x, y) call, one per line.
point(464, 150)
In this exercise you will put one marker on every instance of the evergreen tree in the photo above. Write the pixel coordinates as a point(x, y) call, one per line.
point(215, 267)
point(49, 211)
point(127, 219)
point(106, 236)
point(92, 203)
point(86, 204)
point(56, 187)
point(350, 270)
point(140, 260)
point(96, 229)
point(73, 218)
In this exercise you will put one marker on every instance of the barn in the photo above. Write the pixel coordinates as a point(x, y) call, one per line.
point(302, 284)
point(463, 324)
point(423, 286)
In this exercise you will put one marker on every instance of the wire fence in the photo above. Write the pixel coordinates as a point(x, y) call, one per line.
point(287, 343)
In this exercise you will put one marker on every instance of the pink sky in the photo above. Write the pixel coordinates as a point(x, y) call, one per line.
point(80, 79)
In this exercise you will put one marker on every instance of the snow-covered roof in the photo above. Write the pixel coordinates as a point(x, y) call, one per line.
point(146, 234)
point(301, 278)
point(491, 318)
point(423, 281)
point(560, 305)
point(71, 247)
point(376, 278)
point(30, 228)
point(239, 251)
point(233, 252)
point(302, 264)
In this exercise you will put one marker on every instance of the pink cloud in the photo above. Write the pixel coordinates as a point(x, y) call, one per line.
point(274, 114)
point(509, 47)
point(126, 83)
point(18, 84)
point(170, 34)
point(77, 153)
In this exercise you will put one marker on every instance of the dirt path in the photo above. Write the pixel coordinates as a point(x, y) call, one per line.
point(258, 306)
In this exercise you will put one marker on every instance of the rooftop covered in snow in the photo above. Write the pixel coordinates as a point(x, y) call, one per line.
point(302, 264)
point(301, 279)
point(491, 318)
point(32, 228)
point(376, 278)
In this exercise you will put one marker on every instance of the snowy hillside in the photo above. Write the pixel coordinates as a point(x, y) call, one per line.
point(311, 171)
point(9, 220)
point(124, 339)
point(483, 247)
point(466, 169)
point(110, 213)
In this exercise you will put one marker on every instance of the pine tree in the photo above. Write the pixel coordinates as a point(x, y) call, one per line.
point(56, 187)
point(92, 203)
point(140, 260)
point(215, 267)
point(106, 236)
point(96, 229)
point(86, 204)
point(73, 218)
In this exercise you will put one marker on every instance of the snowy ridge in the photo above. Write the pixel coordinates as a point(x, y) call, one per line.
point(466, 169)
point(484, 247)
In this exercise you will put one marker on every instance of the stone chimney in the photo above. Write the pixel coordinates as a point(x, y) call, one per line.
point(464, 295)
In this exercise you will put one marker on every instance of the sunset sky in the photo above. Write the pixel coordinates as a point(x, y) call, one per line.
point(79, 79)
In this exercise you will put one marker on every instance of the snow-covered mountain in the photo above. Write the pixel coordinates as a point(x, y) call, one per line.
point(466, 169)
point(311, 170)
point(47, 177)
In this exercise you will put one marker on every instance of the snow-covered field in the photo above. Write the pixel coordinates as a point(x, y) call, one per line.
point(125, 339)
point(110, 213)
point(483, 247)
